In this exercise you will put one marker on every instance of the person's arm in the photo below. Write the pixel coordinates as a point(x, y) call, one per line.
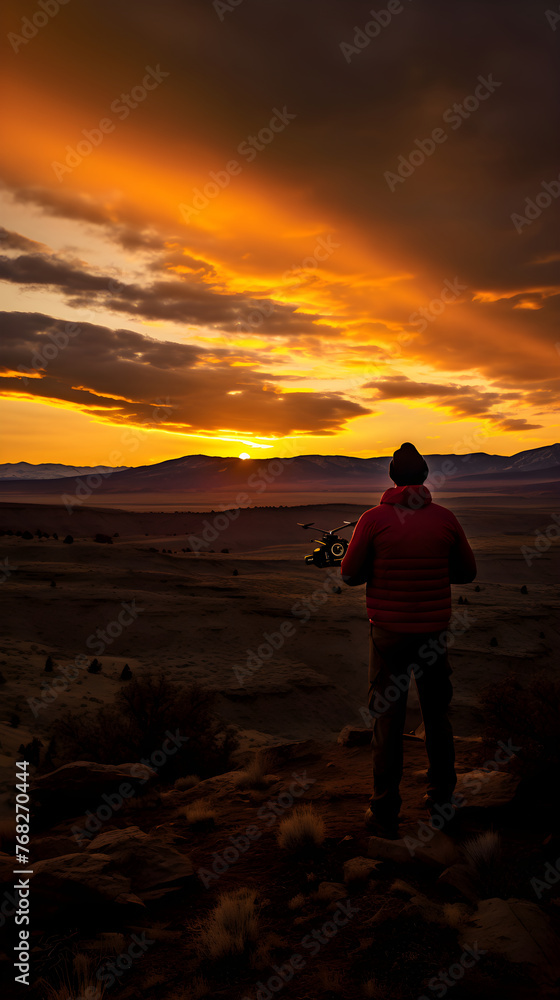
point(356, 565)
point(462, 564)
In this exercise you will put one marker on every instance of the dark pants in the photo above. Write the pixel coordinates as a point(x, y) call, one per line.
point(393, 656)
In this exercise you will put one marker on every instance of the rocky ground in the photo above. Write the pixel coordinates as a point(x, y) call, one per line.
point(412, 916)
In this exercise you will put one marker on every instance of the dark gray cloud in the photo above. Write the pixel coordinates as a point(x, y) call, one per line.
point(124, 376)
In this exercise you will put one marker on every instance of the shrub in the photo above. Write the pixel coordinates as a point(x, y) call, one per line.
point(68, 540)
point(187, 781)
point(49, 664)
point(302, 831)
point(14, 720)
point(200, 814)
point(126, 673)
point(256, 774)
point(27, 535)
point(2, 678)
point(138, 723)
point(94, 667)
point(232, 927)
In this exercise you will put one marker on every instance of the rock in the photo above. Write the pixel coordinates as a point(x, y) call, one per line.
point(331, 891)
point(77, 884)
point(434, 849)
point(351, 736)
point(284, 753)
point(54, 847)
point(519, 931)
point(149, 861)
point(75, 787)
point(360, 869)
point(485, 788)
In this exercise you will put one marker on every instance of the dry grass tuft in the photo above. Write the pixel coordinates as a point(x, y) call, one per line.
point(484, 863)
point(200, 814)
point(187, 781)
point(455, 915)
point(232, 928)
point(303, 830)
point(372, 990)
point(297, 902)
point(255, 775)
point(80, 982)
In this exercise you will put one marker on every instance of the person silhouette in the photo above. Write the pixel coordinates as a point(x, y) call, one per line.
point(408, 550)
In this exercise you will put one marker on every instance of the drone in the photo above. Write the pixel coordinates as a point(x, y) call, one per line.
point(332, 548)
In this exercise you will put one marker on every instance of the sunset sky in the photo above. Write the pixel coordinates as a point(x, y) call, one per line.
point(172, 286)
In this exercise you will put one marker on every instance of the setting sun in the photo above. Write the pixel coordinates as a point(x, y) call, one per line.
point(244, 455)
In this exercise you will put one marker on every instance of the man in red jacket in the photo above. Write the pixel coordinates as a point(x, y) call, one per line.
point(408, 550)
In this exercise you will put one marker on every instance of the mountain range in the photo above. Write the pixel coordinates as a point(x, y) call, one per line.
point(24, 470)
point(204, 473)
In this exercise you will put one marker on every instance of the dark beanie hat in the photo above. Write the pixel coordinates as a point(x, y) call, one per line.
point(408, 466)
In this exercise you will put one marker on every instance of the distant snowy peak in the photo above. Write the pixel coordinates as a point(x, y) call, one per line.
point(24, 470)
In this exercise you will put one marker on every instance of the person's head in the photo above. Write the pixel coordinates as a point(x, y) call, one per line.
point(408, 467)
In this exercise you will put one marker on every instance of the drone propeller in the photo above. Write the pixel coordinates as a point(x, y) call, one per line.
point(346, 524)
point(309, 525)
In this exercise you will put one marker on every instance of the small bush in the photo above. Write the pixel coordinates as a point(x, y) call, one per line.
point(302, 831)
point(49, 664)
point(126, 673)
point(14, 720)
point(186, 782)
point(145, 710)
point(200, 814)
point(94, 667)
point(483, 873)
point(256, 774)
point(232, 928)
point(79, 981)
point(68, 540)
point(27, 535)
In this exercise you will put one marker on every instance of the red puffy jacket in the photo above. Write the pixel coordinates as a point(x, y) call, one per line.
point(408, 550)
